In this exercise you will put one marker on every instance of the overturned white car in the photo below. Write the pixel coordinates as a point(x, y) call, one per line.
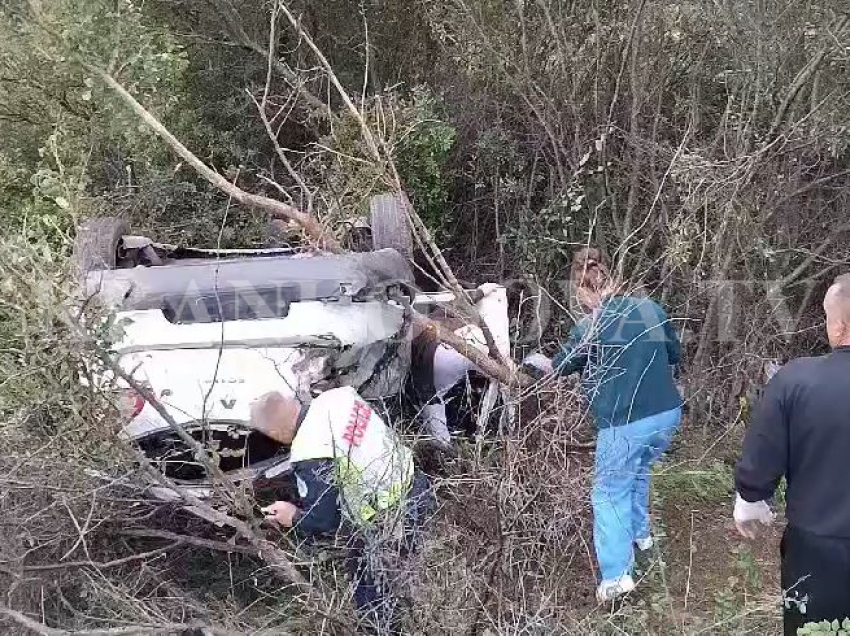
point(209, 331)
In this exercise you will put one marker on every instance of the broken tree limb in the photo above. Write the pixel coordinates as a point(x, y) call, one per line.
point(382, 155)
point(105, 564)
point(185, 539)
point(265, 549)
point(268, 551)
point(163, 629)
point(494, 367)
point(311, 226)
point(460, 294)
point(485, 363)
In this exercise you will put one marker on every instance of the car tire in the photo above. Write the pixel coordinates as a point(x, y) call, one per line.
point(388, 216)
point(98, 243)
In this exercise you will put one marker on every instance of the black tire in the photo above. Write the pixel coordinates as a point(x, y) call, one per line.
point(388, 217)
point(97, 244)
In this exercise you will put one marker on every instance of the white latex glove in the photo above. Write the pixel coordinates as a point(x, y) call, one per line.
point(539, 362)
point(748, 514)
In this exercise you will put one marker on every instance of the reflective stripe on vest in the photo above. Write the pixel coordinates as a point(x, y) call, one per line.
point(374, 469)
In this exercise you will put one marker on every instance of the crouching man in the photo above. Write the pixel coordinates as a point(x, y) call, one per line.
point(354, 477)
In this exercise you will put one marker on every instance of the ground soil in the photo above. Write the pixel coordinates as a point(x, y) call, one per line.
point(707, 564)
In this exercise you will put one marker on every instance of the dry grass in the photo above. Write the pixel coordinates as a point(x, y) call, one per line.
point(83, 547)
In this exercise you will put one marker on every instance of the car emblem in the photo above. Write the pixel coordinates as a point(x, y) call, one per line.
point(228, 404)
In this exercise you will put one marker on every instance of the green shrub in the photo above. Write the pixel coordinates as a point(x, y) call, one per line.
point(826, 628)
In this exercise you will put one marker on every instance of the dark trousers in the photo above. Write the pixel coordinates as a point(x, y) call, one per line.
point(815, 578)
point(368, 598)
point(363, 560)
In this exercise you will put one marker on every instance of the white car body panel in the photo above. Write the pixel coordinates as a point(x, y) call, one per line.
point(213, 371)
point(312, 323)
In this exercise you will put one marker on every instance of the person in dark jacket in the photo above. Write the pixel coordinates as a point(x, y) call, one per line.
point(624, 348)
point(354, 477)
point(801, 430)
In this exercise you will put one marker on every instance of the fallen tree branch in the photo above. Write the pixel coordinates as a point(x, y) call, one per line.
point(267, 551)
point(265, 548)
point(128, 630)
point(381, 154)
point(485, 363)
point(107, 564)
point(310, 225)
point(185, 539)
point(494, 366)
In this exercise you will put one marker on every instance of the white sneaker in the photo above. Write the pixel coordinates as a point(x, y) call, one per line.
point(644, 544)
point(609, 590)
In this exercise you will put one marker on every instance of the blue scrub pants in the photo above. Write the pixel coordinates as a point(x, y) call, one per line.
point(620, 497)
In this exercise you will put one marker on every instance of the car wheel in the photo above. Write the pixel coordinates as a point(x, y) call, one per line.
point(98, 243)
point(388, 215)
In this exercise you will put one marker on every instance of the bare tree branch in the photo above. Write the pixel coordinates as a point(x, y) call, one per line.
point(268, 551)
point(798, 271)
point(803, 77)
point(277, 208)
point(383, 157)
point(234, 26)
point(185, 539)
point(129, 630)
point(107, 564)
point(305, 191)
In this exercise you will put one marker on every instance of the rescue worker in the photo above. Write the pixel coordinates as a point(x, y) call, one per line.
point(801, 430)
point(624, 348)
point(354, 477)
point(438, 372)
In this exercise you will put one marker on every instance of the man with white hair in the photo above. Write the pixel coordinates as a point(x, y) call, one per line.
point(801, 430)
point(354, 475)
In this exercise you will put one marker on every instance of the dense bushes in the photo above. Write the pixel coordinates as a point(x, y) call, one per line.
point(703, 144)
